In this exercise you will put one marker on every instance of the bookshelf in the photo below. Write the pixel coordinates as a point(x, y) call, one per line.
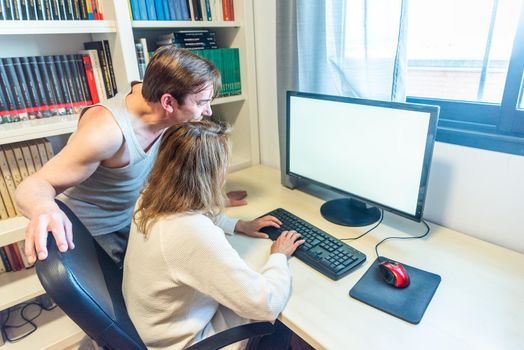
point(28, 38)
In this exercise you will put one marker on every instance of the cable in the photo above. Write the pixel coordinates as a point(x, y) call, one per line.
point(417, 237)
point(28, 320)
point(368, 231)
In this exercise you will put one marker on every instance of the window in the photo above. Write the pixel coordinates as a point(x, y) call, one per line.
point(468, 56)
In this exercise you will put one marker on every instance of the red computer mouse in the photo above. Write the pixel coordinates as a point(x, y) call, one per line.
point(394, 273)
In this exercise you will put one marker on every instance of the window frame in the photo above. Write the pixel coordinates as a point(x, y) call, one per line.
point(496, 127)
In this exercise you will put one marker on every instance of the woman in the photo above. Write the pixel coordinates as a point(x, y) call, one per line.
point(182, 279)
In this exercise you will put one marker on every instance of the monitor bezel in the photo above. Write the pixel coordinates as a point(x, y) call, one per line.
point(428, 152)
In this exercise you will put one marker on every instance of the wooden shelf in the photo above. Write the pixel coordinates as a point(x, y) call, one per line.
point(55, 331)
point(13, 230)
point(55, 27)
point(184, 24)
point(37, 128)
point(17, 287)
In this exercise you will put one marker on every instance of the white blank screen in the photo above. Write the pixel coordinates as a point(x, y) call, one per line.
point(373, 152)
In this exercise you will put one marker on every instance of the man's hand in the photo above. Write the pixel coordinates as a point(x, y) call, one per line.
point(236, 198)
point(44, 220)
point(251, 228)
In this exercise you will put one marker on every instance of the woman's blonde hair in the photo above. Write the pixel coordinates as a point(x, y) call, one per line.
point(188, 175)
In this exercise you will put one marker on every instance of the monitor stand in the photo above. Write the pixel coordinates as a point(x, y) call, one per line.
point(349, 212)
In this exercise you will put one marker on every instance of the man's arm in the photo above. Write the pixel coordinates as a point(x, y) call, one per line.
point(97, 138)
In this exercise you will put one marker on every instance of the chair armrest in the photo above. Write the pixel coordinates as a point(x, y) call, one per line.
point(232, 335)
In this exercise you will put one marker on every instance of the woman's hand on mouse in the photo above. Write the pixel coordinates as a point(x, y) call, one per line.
point(287, 243)
point(252, 228)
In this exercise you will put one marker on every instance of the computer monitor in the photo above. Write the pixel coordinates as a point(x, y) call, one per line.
point(376, 153)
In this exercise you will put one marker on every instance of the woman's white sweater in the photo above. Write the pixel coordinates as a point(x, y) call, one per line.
point(185, 282)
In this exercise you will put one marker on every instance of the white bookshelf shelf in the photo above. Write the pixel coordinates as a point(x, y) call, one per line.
point(17, 287)
point(56, 27)
point(228, 99)
point(55, 331)
point(12, 230)
point(36, 128)
point(185, 24)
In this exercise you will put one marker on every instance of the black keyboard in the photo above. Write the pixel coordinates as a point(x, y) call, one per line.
point(321, 251)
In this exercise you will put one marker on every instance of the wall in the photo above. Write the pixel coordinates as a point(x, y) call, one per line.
point(480, 193)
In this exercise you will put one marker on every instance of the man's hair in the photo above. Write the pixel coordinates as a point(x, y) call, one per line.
point(188, 175)
point(179, 73)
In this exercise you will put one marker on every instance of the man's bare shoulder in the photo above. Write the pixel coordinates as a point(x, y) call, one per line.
point(99, 129)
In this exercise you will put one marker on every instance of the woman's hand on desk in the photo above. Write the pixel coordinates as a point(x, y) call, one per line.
point(252, 228)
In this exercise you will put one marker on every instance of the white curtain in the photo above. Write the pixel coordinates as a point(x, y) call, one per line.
point(352, 48)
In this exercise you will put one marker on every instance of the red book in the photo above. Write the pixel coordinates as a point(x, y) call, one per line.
point(90, 76)
point(11, 256)
point(232, 9)
point(18, 255)
point(227, 10)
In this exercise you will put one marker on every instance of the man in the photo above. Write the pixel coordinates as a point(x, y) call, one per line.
point(103, 167)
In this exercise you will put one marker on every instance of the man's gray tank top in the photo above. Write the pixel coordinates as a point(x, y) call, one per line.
point(104, 202)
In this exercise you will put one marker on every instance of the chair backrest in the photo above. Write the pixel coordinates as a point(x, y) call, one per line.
point(86, 285)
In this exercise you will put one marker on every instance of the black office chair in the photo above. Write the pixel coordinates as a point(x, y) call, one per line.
point(86, 285)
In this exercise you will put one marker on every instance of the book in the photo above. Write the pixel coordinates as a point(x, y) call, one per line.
point(42, 151)
point(55, 84)
point(40, 10)
point(151, 11)
point(90, 78)
point(135, 10)
point(10, 184)
point(12, 115)
point(14, 84)
point(184, 5)
point(159, 9)
point(73, 83)
point(27, 157)
point(3, 194)
point(143, 41)
point(20, 161)
point(99, 47)
point(13, 255)
point(97, 72)
point(15, 5)
point(36, 101)
point(2, 270)
point(31, 8)
point(79, 69)
point(107, 52)
point(5, 197)
point(48, 106)
point(68, 100)
point(227, 10)
point(55, 13)
point(47, 84)
point(197, 10)
point(35, 155)
point(21, 249)
point(3, 256)
point(11, 258)
point(6, 107)
point(140, 59)
point(13, 166)
point(25, 90)
point(48, 149)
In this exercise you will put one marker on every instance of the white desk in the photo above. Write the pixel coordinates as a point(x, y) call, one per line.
point(478, 305)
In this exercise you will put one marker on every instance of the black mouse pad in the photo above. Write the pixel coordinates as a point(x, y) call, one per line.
point(408, 304)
